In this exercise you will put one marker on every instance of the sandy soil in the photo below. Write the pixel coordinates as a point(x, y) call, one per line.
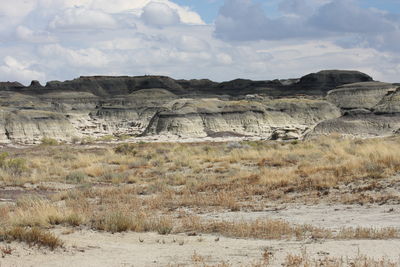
point(90, 248)
point(325, 216)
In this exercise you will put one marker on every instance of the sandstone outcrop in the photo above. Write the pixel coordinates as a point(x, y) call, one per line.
point(154, 106)
point(30, 126)
point(205, 117)
point(361, 125)
point(390, 103)
point(359, 95)
point(369, 109)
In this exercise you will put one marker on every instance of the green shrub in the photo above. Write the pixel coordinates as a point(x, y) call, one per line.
point(106, 138)
point(3, 159)
point(76, 177)
point(46, 141)
point(123, 137)
point(14, 166)
point(113, 177)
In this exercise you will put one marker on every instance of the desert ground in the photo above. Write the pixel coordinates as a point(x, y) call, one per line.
point(326, 201)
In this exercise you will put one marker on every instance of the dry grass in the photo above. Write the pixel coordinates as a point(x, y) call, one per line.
point(368, 233)
point(301, 166)
point(300, 260)
point(121, 222)
point(260, 229)
point(278, 229)
point(305, 260)
point(38, 212)
point(31, 236)
point(118, 211)
point(149, 187)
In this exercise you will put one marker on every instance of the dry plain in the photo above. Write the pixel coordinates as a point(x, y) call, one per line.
point(328, 201)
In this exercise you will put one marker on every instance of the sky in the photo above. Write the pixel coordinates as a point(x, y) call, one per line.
point(221, 40)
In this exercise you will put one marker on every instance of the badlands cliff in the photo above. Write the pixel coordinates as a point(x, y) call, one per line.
point(347, 102)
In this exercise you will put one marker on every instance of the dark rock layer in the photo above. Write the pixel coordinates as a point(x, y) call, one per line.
point(316, 84)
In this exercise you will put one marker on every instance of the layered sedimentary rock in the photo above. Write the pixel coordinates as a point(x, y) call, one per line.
point(390, 103)
point(325, 102)
point(361, 125)
point(30, 126)
point(369, 109)
point(206, 117)
point(360, 95)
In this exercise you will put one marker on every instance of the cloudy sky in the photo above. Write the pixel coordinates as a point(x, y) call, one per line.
point(218, 39)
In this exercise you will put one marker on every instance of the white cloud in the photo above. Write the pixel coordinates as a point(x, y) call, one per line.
point(63, 39)
point(15, 70)
point(159, 15)
point(79, 18)
point(16, 10)
point(82, 58)
point(136, 6)
point(28, 35)
point(224, 59)
point(192, 43)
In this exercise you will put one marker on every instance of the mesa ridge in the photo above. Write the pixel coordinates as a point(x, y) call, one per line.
point(330, 101)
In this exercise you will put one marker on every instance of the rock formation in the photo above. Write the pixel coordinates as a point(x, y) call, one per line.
point(359, 95)
point(347, 102)
point(369, 109)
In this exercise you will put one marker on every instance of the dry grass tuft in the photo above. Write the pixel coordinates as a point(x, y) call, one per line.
point(278, 229)
point(163, 225)
point(115, 222)
point(31, 236)
point(304, 260)
point(368, 233)
point(260, 229)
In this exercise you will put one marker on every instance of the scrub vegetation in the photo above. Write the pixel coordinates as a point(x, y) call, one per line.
point(165, 187)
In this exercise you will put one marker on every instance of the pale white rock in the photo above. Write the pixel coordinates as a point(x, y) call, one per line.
point(359, 95)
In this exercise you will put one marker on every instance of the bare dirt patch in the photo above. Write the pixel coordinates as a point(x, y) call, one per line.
point(89, 248)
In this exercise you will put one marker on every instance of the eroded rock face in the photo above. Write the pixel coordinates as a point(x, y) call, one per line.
point(360, 95)
point(369, 109)
point(30, 126)
point(199, 118)
point(390, 103)
point(362, 125)
point(106, 86)
point(160, 106)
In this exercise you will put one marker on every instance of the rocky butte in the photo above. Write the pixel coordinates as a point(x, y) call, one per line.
point(331, 101)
